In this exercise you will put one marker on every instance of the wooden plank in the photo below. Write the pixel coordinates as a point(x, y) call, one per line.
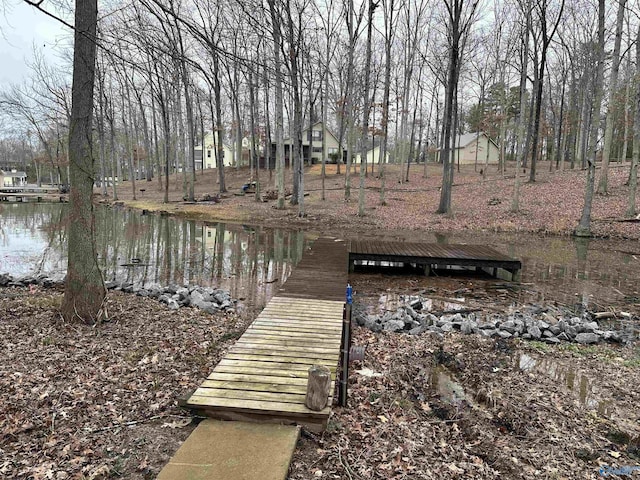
point(274, 354)
point(281, 372)
point(255, 386)
point(268, 364)
point(284, 342)
point(250, 395)
point(264, 407)
point(241, 377)
point(302, 326)
point(279, 332)
point(262, 349)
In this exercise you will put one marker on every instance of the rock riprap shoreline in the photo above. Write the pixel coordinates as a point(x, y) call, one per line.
point(211, 300)
point(530, 322)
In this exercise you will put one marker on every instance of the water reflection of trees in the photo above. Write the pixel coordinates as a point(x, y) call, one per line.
point(163, 250)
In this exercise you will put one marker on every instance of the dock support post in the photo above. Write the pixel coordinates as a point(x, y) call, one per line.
point(318, 385)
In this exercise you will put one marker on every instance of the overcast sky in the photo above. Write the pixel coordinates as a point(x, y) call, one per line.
point(22, 27)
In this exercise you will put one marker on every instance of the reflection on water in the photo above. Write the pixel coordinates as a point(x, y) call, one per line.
point(583, 387)
point(593, 273)
point(151, 249)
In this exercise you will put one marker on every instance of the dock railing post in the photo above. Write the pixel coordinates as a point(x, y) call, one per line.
point(345, 347)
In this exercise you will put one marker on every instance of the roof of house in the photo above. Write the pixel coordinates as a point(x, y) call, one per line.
point(13, 174)
point(466, 139)
point(288, 139)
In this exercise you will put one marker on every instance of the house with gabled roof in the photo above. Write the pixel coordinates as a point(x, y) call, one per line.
point(13, 178)
point(206, 158)
point(475, 148)
point(312, 145)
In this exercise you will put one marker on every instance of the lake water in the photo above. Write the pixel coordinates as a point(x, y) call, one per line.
point(251, 262)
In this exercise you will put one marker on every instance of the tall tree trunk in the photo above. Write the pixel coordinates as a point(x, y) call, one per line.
point(217, 91)
point(613, 84)
point(633, 171)
point(277, 43)
point(84, 286)
point(584, 226)
point(365, 112)
point(522, 148)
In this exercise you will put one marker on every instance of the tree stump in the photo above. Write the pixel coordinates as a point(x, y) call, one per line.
point(318, 387)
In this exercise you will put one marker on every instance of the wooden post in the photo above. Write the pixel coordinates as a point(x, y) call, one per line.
point(318, 387)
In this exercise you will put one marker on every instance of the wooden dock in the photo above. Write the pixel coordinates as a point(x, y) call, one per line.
point(431, 256)
point(263, 377)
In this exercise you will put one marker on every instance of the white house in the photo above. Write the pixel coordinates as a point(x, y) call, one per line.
point(13, 178)
point(312, 144)
point(472, 148)
point(373, 156)
point(210, 154)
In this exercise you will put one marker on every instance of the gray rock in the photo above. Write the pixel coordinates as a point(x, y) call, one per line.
point(416, 304)
point(509, 327)
point(504, 334)
point(221, 296)
point(542, 325)
point(555, 329)
point(534, 332)
point(468, 327)
point(418, 330)
point(172, 289)
point(589, 327)
point(196, 299)
point(548, 333)
point(487, 332)
point(411, 312)
point(172, 304)
point(393, 326)
point(519, 326)
point(446, 327)
point(143, 292)
point(373, 323)
point(587, 338)
point(489, 325)
point(183, 293)
point(527, 336)
point(571, 332)
point(611, 336)
point(564, 337)
point(430, 319)
point(552, 340)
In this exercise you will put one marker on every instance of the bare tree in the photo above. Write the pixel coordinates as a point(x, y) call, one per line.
point(613, 83)
point(584, 226)
point(84, 286)
point(460, 16)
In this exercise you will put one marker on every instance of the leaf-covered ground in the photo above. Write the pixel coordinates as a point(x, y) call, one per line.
point(425, 408)
point(552, 205)
point(82, 402)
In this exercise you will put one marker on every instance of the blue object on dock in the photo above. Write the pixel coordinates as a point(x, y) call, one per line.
point(349, 294)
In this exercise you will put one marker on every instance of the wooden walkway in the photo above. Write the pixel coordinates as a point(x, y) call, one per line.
point(263, 377)
point(431, 255)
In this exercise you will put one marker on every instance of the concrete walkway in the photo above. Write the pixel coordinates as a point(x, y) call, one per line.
point(219, 450)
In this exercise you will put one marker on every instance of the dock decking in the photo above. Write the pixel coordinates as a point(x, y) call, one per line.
point(431, 255)
point(263, 377)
